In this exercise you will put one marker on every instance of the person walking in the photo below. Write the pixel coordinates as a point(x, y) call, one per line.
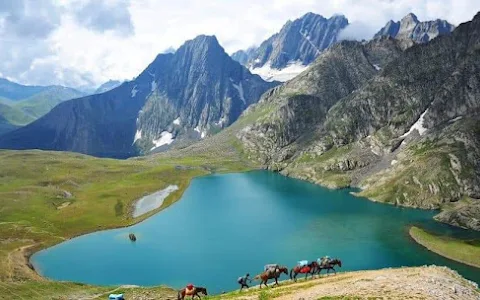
point(243, 281)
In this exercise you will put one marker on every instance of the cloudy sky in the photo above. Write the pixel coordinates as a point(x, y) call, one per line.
point(87, 42)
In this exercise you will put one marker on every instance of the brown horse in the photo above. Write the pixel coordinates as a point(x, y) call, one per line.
point(329, 266)
point(195, 293)
point(271, 274)
point(308, 269)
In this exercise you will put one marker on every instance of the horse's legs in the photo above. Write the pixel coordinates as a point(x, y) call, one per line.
point(334, 271)
point(181, 295)
point(276, 280)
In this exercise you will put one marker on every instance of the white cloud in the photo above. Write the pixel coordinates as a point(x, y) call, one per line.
point(79, 43)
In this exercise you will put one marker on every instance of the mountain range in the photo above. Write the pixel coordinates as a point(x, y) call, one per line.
point(22, 104)
point(286, 53)
point(290, 51)
point(179, 98)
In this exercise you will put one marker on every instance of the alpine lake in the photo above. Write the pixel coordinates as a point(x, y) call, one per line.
point(227, 225)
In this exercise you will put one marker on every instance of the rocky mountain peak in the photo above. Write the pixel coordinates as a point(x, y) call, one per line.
point(202, 43)
point(410, 18)
point(410, 30)
point(287, 53)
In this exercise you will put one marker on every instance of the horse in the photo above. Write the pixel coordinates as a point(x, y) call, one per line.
point(271, 274)
point(329, 266)
point(195, 293)
point(308, 269)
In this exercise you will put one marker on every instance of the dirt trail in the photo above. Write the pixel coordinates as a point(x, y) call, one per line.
point(18, 264)
point(406, 283)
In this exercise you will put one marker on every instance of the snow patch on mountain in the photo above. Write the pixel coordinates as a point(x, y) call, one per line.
point(271, 74)
point(307, 37)
point(166, 138)
point(239, 88)
point(134, 91)
point(418, 125)
point(221, 122)
point(138, 135)
point(202, 133)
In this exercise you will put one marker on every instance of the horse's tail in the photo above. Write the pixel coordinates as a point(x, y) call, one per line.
point(179, 296)
point(291, 273)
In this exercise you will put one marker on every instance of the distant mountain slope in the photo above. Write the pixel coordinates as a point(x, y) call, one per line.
point(14, 91)
point(7, 116)
point(22, 104)
point(410, 29)
point(179, 98)
point(41, 103)
point(107, 86)
point(242, 56)
point(287, 53)
point(14, 115)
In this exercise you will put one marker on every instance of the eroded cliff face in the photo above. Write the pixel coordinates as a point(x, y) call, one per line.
point(402, 125)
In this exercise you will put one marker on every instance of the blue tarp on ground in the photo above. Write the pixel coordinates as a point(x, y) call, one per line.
point(115, 297)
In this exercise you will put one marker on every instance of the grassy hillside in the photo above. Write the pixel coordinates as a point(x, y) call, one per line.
point(39, 104)
point(24, 111)
point(467, 252)
point(14, 115)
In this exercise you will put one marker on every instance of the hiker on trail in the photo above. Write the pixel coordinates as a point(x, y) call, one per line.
point(243, 281)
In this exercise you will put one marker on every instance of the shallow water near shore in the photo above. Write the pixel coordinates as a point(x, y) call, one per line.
point(227, 225)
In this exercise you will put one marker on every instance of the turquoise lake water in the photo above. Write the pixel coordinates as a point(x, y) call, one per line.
point(227, 225)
